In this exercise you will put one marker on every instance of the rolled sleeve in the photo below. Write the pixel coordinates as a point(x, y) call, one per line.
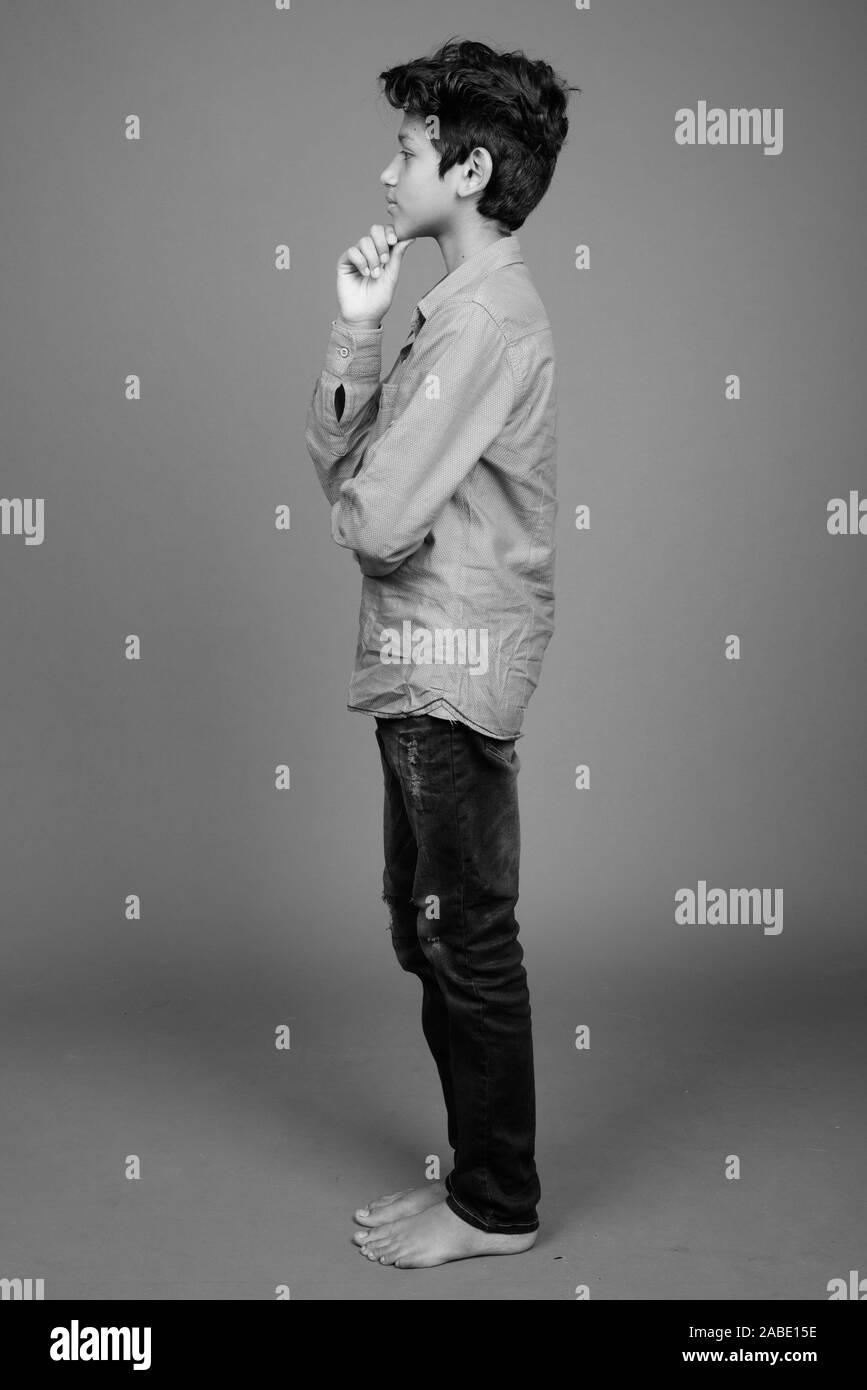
point(353, 363)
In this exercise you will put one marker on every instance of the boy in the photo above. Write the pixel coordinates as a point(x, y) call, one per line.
point(441, 480)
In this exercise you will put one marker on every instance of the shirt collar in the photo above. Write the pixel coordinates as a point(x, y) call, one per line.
point(505, 250)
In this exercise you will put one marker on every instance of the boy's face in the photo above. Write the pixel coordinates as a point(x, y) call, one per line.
point(423, 206)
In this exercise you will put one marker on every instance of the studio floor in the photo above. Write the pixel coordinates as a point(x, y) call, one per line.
point(252, 1158)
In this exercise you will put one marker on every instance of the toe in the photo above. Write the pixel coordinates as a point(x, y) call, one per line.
point(375, 1213)
point(380, 1247)
point(384, 1230)
point(375, 1248)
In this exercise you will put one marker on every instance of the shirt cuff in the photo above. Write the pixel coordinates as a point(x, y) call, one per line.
point(354, 351)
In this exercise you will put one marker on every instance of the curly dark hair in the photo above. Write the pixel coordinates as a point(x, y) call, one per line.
point(512, 105)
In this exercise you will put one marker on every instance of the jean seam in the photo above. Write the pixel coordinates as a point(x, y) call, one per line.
point(468, 968)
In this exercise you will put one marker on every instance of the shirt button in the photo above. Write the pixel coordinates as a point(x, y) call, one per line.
point(344, 352)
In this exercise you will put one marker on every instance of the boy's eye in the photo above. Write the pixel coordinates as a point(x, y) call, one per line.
point(406, 154)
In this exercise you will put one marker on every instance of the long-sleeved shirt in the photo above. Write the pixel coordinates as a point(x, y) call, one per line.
point(442, 482)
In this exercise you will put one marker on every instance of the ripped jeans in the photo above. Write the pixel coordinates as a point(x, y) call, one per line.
point(452, 846)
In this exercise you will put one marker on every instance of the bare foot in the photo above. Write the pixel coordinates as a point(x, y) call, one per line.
point(398, 1204)
point(435, 1236)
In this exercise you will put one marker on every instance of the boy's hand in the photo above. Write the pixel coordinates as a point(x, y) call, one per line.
point(367, 276)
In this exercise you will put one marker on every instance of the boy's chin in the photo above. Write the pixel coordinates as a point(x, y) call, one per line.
point(403, 224)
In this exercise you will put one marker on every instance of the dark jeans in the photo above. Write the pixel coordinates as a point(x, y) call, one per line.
point(452, 845)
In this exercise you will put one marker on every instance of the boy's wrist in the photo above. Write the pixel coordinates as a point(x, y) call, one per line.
point(358, 323)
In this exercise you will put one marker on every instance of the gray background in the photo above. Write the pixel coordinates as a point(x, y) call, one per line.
point(262, 907)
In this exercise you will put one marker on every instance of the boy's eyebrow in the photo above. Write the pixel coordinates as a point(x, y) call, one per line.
point(405, 139)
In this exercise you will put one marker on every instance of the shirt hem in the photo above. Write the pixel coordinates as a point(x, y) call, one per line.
point(460, 718)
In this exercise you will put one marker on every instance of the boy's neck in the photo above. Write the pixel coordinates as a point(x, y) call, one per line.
point(459, 243)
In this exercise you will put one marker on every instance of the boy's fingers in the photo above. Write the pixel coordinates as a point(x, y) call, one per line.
point(367, 247)
point(380, 241)
point(358, 260)
point(366, 257)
